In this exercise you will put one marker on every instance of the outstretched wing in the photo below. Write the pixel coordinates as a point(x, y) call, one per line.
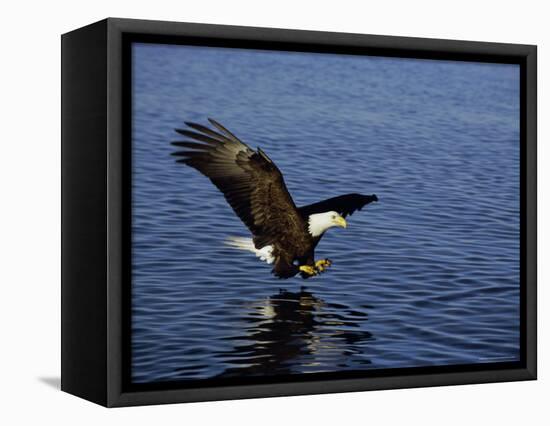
point(251, 183)
point(343, 204)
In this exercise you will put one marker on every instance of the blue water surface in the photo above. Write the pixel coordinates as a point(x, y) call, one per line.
point(427, 276)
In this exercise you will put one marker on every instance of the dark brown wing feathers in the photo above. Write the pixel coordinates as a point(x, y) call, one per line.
point(251, 183)
point(343, 204)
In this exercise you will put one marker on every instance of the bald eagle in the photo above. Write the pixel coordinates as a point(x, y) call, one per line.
point(282, 234)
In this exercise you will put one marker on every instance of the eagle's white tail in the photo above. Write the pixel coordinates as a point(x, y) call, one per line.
point(265, 253)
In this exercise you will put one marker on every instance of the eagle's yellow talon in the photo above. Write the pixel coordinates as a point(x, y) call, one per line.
point(322, 264)
point(310, 270)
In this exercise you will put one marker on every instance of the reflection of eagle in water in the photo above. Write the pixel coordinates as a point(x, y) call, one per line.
point(283, 234)
point(292, 332)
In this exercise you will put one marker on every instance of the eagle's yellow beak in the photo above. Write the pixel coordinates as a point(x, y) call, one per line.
point(341, 222)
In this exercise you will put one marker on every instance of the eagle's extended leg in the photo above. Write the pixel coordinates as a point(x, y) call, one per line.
point(323, 264)
point(315, 269)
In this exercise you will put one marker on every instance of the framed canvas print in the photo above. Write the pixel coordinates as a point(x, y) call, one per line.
point(252, 212)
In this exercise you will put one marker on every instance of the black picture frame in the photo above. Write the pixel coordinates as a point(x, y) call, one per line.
point(96, 210)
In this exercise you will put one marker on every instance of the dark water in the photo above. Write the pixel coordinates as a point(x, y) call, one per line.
point(427, 276)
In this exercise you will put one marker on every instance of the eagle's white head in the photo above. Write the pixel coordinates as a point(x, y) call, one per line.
point(320, 222)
